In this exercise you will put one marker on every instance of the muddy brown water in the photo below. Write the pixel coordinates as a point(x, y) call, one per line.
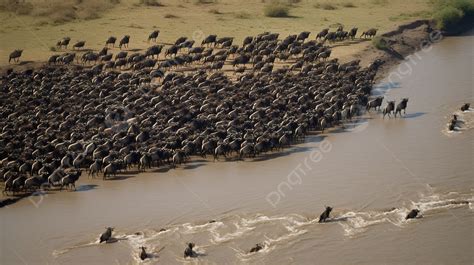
point(372, 171)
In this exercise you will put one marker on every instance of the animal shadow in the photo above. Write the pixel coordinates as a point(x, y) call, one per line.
point(413, 115)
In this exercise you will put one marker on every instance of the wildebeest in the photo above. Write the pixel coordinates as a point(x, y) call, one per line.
point(154, 35)
point(111, 40)
point(124, 41)
point(173, 50)
point(110, 169)
point(90, 57)
point(257, 248)
point(247, 41)
point(452, 124)
point(303, 36)
point(374, 103)
point(107, 235)
point(64, 42)
point(322, 34)
point(68, 58)
point(53, 59)
point(154, 50)
point(325, 214)
point(352, 33)
point(70, 180)
point(79, 45)
point(330, 36)
point(103, 51)
point(211, 39)
point(223, 40)
point(188, 252)
point(121, 55)
point(389, 108)
point(369, 33)
point(412, 214)
point(180, 40)
point(143, 254)
point(401, 106)
point(242, 59)
point(15, 55)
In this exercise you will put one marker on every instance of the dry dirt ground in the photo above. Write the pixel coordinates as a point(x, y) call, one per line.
point(36, 35)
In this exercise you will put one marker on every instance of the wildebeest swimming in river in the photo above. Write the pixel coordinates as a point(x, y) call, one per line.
point(465, 107)
point(401, 106)
point(412, 214)
point(452, 124)
point(189, 252)
point(143, 254)
point(325, 214)
point(257, 248)
point(389, 108)
point(107, 235)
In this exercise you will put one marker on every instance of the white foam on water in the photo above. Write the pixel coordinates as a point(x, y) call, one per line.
point(278, 231)
point(240, 231)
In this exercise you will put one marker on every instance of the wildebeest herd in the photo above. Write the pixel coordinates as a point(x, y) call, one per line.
point(58, 120)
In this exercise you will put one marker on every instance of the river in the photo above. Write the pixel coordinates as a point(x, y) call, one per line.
point(372, 172)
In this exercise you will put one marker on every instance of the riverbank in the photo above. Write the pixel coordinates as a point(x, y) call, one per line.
point(406, 39)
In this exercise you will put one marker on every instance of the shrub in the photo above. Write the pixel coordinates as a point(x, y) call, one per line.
point(215, 11)
point(380, 43)
point(242, 15)
point(448, 17)
point(170, 16)
point(204, 2)
point(451, 15)
point(150, 3)
point(348, 4)
point(325, 6)
point(276, 10)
